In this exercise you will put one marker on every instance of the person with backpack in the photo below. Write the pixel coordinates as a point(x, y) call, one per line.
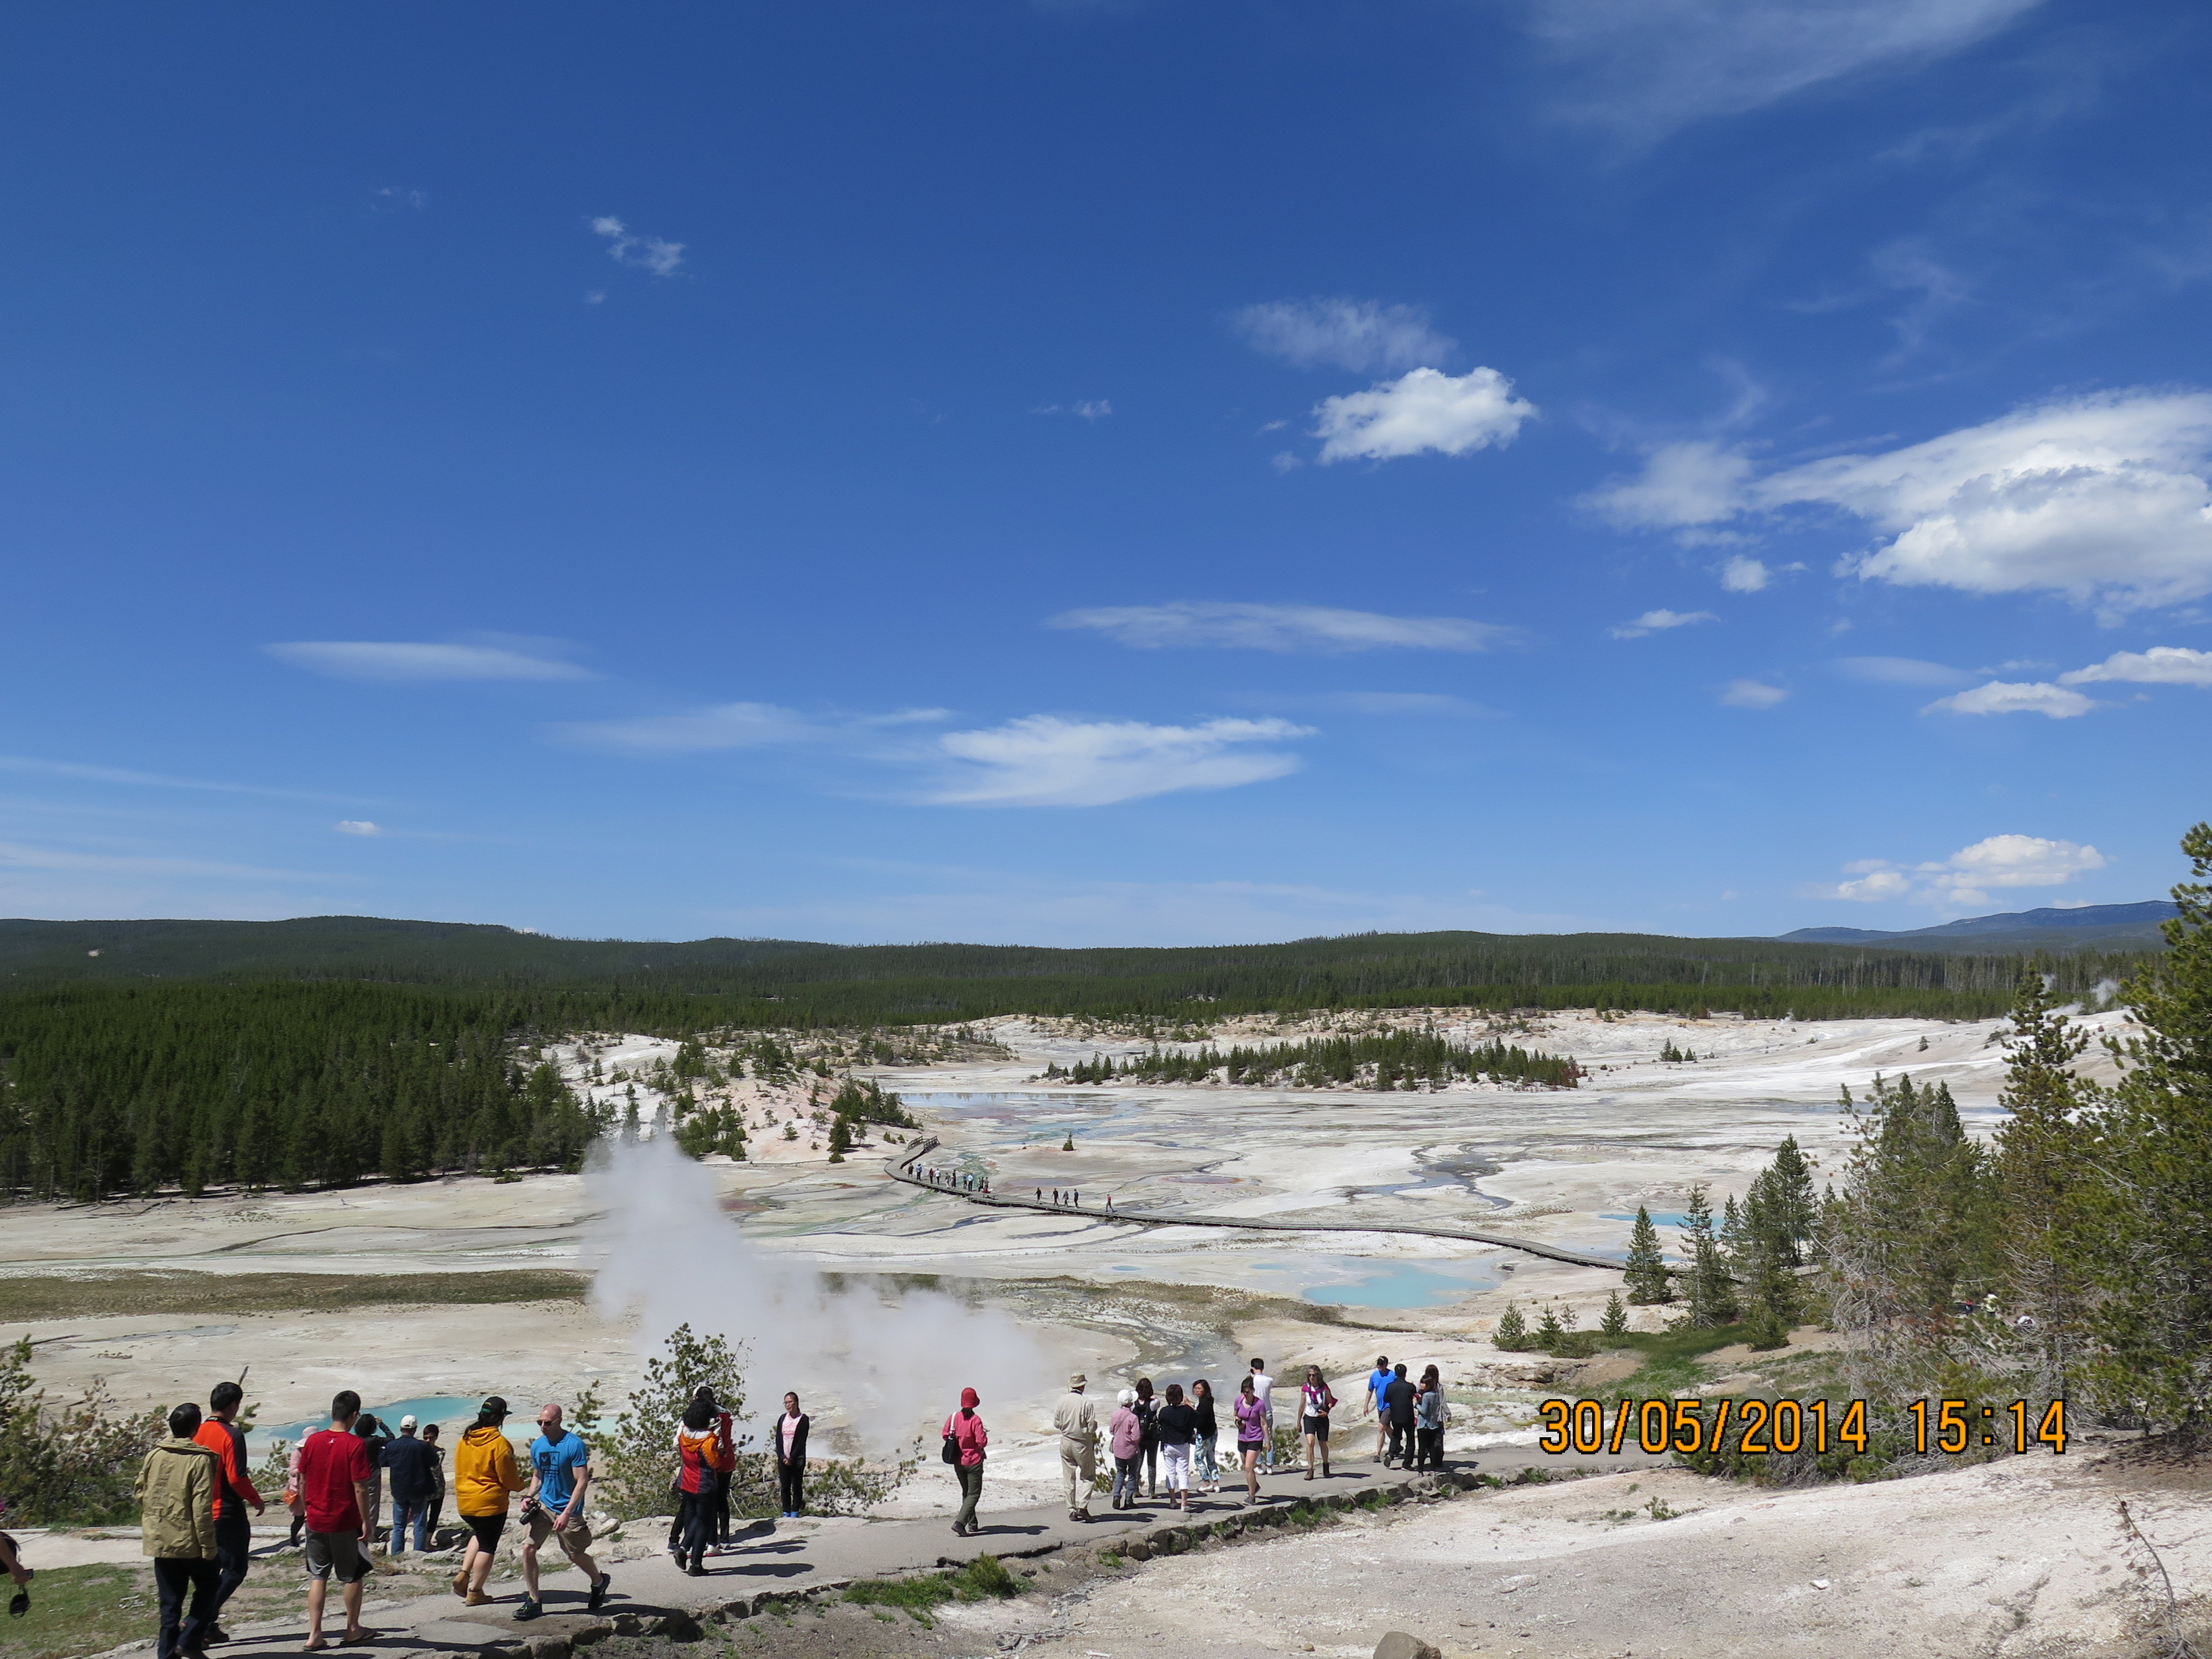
point(484, 1475)
point(1398, 1397)
point(703, 1452)
point(1148, 1418)
point(176, 1487)
point(1316, 1402)
point(965, 1442)
point(788, 1437)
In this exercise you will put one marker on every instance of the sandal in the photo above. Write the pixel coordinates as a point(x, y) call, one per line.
point(19, 1604)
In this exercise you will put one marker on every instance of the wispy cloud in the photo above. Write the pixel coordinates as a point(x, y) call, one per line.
point(646, 253)
point(2014, 697)
point(2103, 499)
point(735, 725)
point(1901, 671)
point(2162, 665)
point(1642, 69)
point(357, 827)
point(1261, 627)
point(397, 197)
point(1358, 335)
point(1046, 761)
point(153, 780)
point(1657, 622)
point(1751, 693)
point(1097, 410)
point(1423, 411)
point(407, 662)
point(1964, 878)
point(16, 855)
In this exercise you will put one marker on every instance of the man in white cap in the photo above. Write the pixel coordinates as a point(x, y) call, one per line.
point(1077, 1419)
point(413, 1462)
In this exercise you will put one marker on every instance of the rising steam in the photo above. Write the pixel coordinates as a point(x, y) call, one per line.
point(882, 1366)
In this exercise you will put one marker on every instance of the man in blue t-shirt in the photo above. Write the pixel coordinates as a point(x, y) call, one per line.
point(560, 1475)
point(1377, 1380)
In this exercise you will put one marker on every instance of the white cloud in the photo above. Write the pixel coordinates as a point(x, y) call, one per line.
point(356, 827)
point(2162, 665)
point(1653, 622)
point(1681, 484)
point(391, 197)
point(1278, 628)
point(1423, 410)
point(1963, 878)
point(733, 726)
point(1045, 761)
point(1742, 574)
point(1647, 67)
point(1358, 335)
point(1089, 410)
point(2099, 498)
point(406, 661)
point(646, 252)
point(2015, 697)
point(1901, 671)
point(1751, 693)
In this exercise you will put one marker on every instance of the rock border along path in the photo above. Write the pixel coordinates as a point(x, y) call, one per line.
point(902, 1169)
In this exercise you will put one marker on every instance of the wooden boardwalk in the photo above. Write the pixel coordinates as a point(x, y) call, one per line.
point(902, 1169)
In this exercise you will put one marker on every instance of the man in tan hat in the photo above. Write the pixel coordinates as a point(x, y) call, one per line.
point(1077, 1419)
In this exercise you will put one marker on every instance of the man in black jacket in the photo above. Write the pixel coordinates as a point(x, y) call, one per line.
point(1398, 1398)
point(413, 1463)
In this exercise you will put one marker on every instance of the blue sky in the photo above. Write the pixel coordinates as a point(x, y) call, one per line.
point(1080, 473)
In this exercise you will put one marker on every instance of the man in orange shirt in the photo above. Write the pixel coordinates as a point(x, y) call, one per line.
point(233, 1490)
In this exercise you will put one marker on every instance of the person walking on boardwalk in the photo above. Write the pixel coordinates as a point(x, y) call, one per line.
point(1206, 1460)
point(1316, 1402)
point(412, 1466)
point(483, 1475)
point(1264, 1386)
point(1077, 1421)
point(965, 1436)
point(560, 1475)
point(1398, 1397)
point(788, 1440)
point(703, 1451)
point(334, 1480)
point(1177, 1427)
point(1430, 1412)
point(1251, 1434)
point(233, 1533)
point(1377, 1380)
point(177, 1488)
point(1125, 1442)
point(1148, 1418)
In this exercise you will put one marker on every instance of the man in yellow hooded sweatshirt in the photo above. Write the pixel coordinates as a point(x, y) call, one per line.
point(483, 1475)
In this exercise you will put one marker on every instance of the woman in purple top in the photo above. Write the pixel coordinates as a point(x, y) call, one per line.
point(1251, 1436)
point(1125, 1438)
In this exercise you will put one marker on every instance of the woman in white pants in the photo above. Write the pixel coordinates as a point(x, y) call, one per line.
point(1178, 1428)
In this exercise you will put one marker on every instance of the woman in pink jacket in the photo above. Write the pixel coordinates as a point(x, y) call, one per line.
point(1125, 1438)
point(964, 1430)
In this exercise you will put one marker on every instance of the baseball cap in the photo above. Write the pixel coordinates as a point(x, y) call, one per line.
point(407, 1422)
point(494, 1406)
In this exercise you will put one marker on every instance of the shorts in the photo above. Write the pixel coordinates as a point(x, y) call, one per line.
point(337, 1553)
point(1318, 1428)
point(577, 1536)
point(487, 1528)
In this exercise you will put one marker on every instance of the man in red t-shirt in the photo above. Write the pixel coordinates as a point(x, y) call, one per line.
point(336, 1483)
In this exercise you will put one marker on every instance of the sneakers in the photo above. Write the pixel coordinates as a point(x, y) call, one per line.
point(698, 1570)
point(591, 1603)
point(214, 1636)
point(530, 1607)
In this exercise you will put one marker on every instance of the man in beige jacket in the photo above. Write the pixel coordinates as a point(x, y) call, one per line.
point(1077, 1419)
point(176, 1499)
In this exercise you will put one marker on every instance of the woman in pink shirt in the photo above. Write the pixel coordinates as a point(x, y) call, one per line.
point(1125, 1438)
point(788, 1438)
point(1251, 1436)
point(965, 1435)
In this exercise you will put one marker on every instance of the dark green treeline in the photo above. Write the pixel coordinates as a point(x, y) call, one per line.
point(108, 1089)
point(1384, 1060)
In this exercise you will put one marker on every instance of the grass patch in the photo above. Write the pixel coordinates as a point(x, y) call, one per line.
point(48, 1296)
point(79, 1610)
point(983, 1579)
point(1670, 1359)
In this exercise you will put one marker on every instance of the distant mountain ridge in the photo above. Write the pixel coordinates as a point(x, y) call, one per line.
point(2067, 929)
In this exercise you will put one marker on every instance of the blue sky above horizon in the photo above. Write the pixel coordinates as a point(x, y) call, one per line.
point(1134, 473)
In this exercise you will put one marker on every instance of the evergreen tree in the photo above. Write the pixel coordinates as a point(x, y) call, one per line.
point(841, 1138)
point(1646, 1272)
point(1795, 1211)
point(1615, 1320)
point(2150, 1213)
point(1512, 1332)
point(1712, 1297)
point(1551, 1334)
